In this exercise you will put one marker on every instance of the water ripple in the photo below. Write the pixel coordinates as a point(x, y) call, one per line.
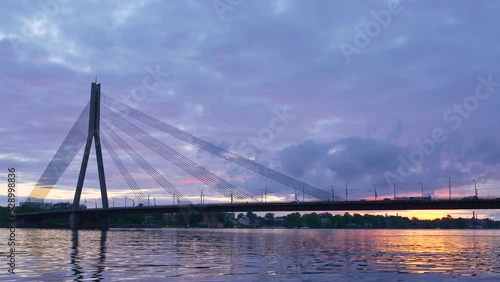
point(255, 255)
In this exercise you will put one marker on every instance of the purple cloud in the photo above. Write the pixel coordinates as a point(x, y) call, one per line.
point(353, 120)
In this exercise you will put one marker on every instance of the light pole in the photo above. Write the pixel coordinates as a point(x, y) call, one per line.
point(303, 193)
point(375, 187)
point(154, 200)
point(133, 202)
point(346, 190)
point(394, 189)
point(422, 187)
point(148, 200)
point(449, 187)
point(265, 195)
point(333, 194)
point(475, 188)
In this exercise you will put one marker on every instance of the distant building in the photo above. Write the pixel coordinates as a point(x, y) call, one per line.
point(61, 206)
point(169, 217)
point(279, 220)
point(325, 222)
point(367, 223)
point(39, 205)
point(268, 221)
point(244, 220)
point(49, 206)
point(229, 216)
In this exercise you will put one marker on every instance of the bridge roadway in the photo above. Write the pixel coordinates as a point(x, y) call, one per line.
point(275, 207)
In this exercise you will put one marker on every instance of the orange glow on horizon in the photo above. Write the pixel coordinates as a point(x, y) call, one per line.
point(420, 214)
point(424, 214)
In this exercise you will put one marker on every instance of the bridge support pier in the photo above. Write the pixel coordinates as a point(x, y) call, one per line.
point(89, 221)
point(100, 220)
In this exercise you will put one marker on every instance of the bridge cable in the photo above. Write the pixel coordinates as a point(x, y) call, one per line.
point(147, 167)
point(68, 150)
point(177, 158)
point(125, 173)
point(188, 165)
point(218, 151)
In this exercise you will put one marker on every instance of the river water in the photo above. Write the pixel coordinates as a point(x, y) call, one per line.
point(253, 255)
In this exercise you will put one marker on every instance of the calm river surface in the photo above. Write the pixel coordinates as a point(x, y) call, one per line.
point(253, 255)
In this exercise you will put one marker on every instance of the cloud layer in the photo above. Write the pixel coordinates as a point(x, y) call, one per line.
point(220, 75)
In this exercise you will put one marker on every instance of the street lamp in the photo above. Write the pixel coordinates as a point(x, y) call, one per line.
point(333, 195)
point(422, 187)
point(475, 188)
point(346, 190)
point(449, 187)
point(375, 187)
point(303, 193)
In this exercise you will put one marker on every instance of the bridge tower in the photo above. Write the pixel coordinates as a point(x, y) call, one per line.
point(76, 220)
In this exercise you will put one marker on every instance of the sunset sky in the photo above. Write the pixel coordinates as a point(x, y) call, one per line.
point(361, 93)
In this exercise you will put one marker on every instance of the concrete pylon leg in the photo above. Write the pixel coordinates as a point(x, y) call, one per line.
point(99, 221)
point(81, 220)
point(73, 221)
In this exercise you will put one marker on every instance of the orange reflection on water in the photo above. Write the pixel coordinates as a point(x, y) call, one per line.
point(422, 251)
point(208, 253)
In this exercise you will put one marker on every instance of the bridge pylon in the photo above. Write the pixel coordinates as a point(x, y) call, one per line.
point(77, 220)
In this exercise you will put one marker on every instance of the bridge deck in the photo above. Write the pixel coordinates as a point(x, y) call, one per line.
point(270, 207)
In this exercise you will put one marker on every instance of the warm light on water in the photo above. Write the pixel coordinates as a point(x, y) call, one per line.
point(255, 255)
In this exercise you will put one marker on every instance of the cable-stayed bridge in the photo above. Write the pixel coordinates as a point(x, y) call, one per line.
point(112, 116)
point(106, 115)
